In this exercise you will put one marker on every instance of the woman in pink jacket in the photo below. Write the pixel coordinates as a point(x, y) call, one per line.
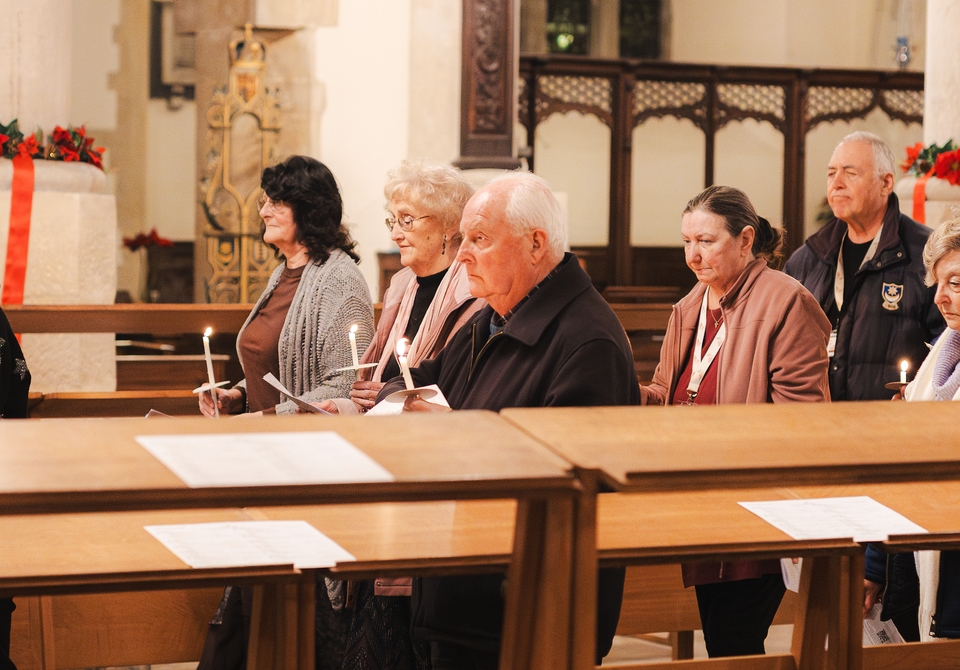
point(746, 333)
point(426, 303)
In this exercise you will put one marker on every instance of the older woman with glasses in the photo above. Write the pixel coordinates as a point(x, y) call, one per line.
point(426, 303)
point(298, 331)
point(937, 573)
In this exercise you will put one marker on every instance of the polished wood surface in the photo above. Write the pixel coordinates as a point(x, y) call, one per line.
point(98, 552)
point(157, 319)
point(671, 448)
point(96, 464)
point(112, 404)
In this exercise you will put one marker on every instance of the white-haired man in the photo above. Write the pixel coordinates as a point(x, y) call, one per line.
point(546, 338)
point(865, 267)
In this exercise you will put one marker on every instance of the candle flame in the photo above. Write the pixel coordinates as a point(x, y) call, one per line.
point(904, 364)
point(354, 328)
point(208, 332)
point(402, 347)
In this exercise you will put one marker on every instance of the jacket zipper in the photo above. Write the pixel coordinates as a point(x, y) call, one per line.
point(474, 359)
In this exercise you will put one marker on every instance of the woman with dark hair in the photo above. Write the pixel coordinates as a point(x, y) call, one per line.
point(298, 329)
point(746, 333)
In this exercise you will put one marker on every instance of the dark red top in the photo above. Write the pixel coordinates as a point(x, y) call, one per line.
point(260, 342)
point(708, 387)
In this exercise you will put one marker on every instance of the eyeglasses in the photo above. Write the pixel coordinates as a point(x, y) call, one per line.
point(405, 222)
point(266, 200)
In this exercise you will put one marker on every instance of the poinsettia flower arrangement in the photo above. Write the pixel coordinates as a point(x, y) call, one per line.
point(942, 161)
point(65, 144)
point(151, 239)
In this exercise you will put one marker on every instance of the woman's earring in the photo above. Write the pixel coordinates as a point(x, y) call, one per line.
point(443, 251)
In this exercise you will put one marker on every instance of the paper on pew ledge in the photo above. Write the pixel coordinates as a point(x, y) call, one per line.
point(858, 517)
point(386, 407)
point(263, 459)
point(242, 543)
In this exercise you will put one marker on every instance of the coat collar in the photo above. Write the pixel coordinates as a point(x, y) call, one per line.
point(530, 321)
point(825, 243)
point(738, 292)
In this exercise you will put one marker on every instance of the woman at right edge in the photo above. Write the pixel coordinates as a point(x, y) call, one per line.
point(746, 333)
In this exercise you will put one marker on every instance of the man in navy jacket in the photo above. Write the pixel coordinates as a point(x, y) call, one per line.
point(865, 267)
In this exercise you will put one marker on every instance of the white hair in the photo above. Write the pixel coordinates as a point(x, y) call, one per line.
point(883, 158)
point(532, 205)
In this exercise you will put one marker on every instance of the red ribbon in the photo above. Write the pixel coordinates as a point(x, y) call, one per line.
point(18, 239)
point(920, 198)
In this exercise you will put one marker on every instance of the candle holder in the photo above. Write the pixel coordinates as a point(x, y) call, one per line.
point(424, 392)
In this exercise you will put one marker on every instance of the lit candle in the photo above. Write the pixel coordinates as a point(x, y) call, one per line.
point(210, 377)
point(402, 359)
point(903, 371)
point(353, 345)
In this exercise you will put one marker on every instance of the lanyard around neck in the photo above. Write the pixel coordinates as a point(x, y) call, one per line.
point(838, 280)
point(703, 361)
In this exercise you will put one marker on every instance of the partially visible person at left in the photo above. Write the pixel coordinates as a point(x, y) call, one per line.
point(545, 338)
point(745, 333)
point(937, 379)
point(14, 387)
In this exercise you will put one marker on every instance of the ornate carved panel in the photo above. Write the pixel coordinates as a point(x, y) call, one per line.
point(656, 99)
point(751, 101)
point(487, 91)
point(244, 123)
point(906, 106)
point(587, 95)
point(829, 103)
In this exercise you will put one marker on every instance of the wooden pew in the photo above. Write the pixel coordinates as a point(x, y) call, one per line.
point(93, 466)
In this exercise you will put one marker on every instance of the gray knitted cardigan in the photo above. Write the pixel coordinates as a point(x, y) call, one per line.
point(330, 298)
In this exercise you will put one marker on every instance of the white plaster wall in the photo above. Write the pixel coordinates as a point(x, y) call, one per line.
point(667, 172)
point(573, 155)
point(364, 64)
point(171, 174)
point(749, 156)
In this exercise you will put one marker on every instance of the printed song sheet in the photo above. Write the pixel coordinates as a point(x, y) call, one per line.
point(859, 517)
point(391, 406)
point(263, 459)
point(240, 543)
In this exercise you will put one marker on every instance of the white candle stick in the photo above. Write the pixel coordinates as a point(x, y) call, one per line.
point(353, 345)
point(210, 377)
point(402, 359)
point(903, 371)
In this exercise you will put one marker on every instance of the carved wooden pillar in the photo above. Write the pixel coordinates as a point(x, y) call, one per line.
point(488, 94)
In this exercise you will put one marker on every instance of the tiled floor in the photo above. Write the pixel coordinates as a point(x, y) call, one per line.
point(626, 650)
point(633, 650)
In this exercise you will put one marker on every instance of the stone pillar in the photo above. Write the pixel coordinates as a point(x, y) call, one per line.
point(36, 57)
point(941, 113)
point(605, 29)
point(73, 227)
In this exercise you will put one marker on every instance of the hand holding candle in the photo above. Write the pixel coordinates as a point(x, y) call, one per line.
point(353, 345)
point(210, 377)
point(904, 364)
point(402, 360)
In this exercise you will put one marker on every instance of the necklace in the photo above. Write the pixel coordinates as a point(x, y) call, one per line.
point(716, 320)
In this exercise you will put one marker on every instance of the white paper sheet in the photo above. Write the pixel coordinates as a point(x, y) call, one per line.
point(388, 407)
point(859, 517)
point(271, 379)
point(240, 543)
point(263, 459)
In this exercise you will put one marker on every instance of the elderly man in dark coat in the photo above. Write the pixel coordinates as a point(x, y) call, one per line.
point(546, 338)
